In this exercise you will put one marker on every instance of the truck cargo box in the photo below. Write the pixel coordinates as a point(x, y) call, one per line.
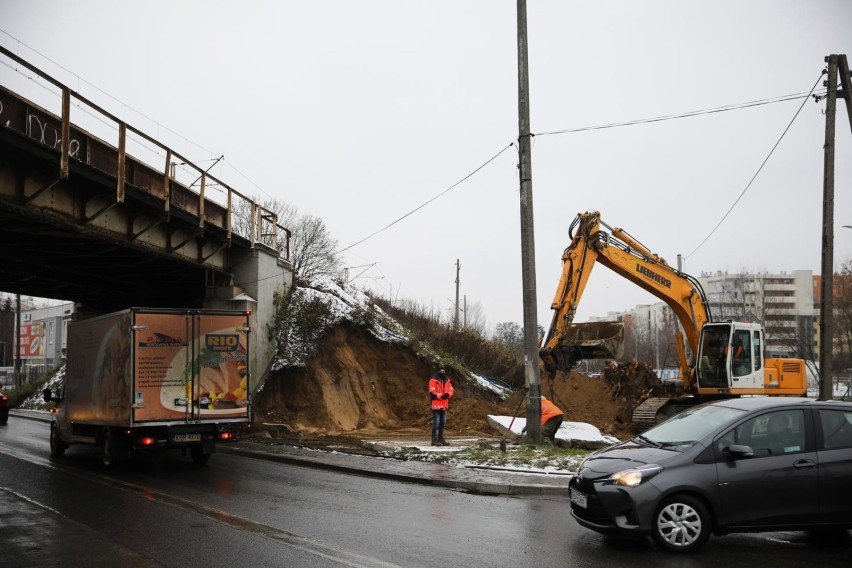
point(156, 368)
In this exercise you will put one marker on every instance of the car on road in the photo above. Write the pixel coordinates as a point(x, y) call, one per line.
point(739, 465)
point(4, 408)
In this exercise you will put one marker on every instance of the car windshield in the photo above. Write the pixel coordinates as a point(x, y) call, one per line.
point(691, 425)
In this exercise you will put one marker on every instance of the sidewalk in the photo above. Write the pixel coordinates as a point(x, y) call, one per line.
point(481, 480)
point(474, 479)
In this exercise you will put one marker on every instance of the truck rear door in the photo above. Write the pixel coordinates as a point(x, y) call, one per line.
point(190, 366)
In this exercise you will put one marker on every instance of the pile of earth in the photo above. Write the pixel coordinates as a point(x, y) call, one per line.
point(359, 387)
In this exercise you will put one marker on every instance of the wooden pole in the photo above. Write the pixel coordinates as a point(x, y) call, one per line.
point(826, 319)
point(531, 341)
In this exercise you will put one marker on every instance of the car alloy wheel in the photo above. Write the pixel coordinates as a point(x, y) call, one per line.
point(681, 524)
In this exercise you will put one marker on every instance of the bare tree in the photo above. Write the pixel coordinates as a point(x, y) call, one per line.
point(474, 317)
point(842, 296)
point(510, 334)
point(313, 250)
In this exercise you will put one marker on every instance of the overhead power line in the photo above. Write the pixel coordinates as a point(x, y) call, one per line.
point(772, 151)
point(687, 114)
point(424, 204)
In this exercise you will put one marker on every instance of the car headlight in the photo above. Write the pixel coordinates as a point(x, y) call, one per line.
point(635, 476)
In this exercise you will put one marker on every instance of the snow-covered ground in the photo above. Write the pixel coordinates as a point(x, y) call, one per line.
point(569, 435)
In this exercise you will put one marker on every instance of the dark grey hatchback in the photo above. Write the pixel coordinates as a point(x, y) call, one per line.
point(739, 465)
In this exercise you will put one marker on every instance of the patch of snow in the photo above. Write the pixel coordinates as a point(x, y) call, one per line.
point(570, 434)
point(36, 401)
point(344, 304)
point(493, 385)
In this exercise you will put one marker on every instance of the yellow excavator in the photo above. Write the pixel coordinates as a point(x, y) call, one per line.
point(725, 359)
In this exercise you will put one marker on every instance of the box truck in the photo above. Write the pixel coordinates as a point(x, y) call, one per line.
point(146, 379)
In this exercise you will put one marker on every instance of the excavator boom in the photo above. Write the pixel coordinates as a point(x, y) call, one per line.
point(593, 242)
point(729, 358)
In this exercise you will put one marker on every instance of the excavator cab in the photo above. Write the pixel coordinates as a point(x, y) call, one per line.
point(730, 356)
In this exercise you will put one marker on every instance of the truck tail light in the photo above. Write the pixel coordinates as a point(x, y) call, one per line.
point(147, 441)
point(227, 435)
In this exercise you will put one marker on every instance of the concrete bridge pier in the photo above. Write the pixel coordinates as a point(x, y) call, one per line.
point(257, 279)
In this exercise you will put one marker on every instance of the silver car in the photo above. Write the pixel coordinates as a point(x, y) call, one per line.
point(739, 465)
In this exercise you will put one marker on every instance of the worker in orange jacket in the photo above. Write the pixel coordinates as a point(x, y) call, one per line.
point(551, 419)
point(441, 390)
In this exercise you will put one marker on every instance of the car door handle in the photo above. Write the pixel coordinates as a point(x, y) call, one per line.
point(804, 464)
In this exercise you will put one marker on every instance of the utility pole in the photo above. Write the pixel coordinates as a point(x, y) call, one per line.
point(826, 321)
point(456, 317)
point(18, 341)
point(532, 373)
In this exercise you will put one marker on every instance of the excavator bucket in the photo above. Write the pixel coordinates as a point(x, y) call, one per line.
point(598, 340)
point(592, 340)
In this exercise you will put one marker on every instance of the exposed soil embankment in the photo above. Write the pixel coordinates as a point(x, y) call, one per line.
point(359, 386)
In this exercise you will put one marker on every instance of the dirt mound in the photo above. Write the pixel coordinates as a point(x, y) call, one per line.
point(629, 385)
point(359, 386)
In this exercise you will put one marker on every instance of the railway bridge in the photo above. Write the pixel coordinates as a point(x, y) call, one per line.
point(84, 219)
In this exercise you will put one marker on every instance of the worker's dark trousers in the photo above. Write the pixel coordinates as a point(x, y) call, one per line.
point(439, 421)
point(551, 426)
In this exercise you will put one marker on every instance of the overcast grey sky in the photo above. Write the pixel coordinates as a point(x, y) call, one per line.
point(360, 112)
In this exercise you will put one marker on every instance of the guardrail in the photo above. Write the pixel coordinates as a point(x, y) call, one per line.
point(239, 214)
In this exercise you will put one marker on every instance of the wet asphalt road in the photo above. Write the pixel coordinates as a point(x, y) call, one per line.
point(239, 511)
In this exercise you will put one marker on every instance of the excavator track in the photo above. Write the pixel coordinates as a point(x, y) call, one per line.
point(645, 415)
point(659, 409)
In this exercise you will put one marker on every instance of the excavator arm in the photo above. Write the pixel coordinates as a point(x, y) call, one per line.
point(592, 242)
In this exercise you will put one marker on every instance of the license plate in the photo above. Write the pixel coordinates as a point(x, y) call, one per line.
point(580, 499)
point(187, 437)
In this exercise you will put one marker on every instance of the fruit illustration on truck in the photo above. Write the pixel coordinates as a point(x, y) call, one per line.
point(147, 379)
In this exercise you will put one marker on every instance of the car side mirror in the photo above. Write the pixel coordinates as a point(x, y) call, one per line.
point(737, 451)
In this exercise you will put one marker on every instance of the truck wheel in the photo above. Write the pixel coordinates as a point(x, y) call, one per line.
point(107, 453)
point(198, 455)
point(57, 446)
point(681, 524)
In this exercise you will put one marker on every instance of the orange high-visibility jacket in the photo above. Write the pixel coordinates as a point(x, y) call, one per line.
point(439, 387)
point(548, 410)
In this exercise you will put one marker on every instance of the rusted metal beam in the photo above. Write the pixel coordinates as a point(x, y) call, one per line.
point(167, 183)
point(202, 259)
point(121, 173)
point(229, 215)
point(36, 193)
point(172, 248)
point(133, 236)
point(201, 201)
point(98, 213)
point(65, 142)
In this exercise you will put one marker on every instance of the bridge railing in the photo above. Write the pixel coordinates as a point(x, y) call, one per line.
point(169, 180)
